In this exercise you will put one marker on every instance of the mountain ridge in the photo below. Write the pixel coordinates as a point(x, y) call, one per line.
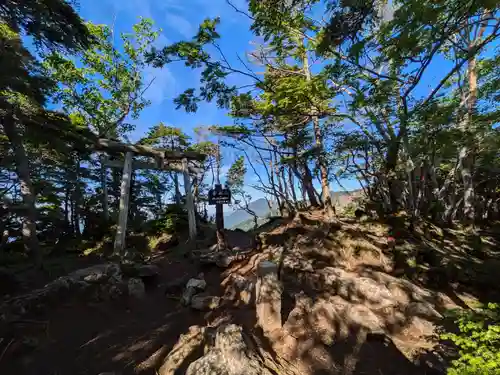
point(261, 208)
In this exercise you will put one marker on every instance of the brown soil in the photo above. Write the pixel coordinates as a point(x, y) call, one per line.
point(120, 337)
point(135, 337)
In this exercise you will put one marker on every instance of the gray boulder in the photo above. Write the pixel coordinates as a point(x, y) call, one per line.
point(205, 302)
point(136, 288)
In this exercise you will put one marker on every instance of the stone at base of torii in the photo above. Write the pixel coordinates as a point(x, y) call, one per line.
point(268, 296)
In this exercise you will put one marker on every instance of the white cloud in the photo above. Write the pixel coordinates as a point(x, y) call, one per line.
point(133, 7)
point(164, 84)
point(224, 169)
point(179, 24)
point(174, 5)
point(162, 87)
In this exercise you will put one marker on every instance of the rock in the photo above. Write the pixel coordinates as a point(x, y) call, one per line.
point(353, 288)
point(177, 285)
point(204, 302)
point(295, 325)
point(131, 269)
point(187, 295)
point(80, 283)
point(362, 316)
point(193, 286)
point(114, 292)
point(187, 344)
point(229, 355)
point(224, 261)
point(240, 289)
point(59, 283)
point(107, 269)
point(298, 263)
point(146, 270)
point(132, 255)
point(224, 258)
point(167, 241)
point(422, 310)
point(136, 288)
point(198, 284)
point(95, 278)
point(148, 273)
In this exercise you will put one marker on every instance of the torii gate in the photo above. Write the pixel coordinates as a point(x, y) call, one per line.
point(162, 161)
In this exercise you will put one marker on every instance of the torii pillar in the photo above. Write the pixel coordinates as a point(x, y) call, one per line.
point(121, 231)
point(128, 167)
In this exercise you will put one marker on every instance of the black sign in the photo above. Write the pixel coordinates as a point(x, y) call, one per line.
point(219, 195)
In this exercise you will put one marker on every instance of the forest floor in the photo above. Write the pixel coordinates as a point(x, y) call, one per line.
point(350, 305)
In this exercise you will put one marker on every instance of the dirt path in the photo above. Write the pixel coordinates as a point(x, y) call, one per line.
point(339, 285)
point(126, 337)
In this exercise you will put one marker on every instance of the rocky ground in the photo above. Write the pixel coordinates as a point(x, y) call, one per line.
point(347, 305)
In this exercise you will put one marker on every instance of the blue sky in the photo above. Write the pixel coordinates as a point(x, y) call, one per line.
point(179, 20)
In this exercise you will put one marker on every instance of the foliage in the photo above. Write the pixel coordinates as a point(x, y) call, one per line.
point(349, 209)
point(478, 341)
point(107, 85)
point(52, 23)
point(174, 219)
point(194, 55)
point(333, 90)
point(236, 175)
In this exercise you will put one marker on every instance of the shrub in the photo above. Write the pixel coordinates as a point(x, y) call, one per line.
point(173, 220)
point(478, 341)
point(349, 209)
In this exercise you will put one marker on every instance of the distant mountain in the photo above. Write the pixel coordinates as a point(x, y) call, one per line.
point(249, 224)
point(260, 207)
point(341, 198)
point(243, 220)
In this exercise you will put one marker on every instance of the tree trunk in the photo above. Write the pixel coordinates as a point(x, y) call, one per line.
point(291, 185)
point(273, 185)
point(318, 135)
point(104, 188)
point(66, 205)
point(466, 155)
point(302, 190)
point(311, 191)
point(466, 167)
point(159, 207)
point(308, 191)
point(72, 221)
point(281, 188)
point(30, 238)
point(77, 197)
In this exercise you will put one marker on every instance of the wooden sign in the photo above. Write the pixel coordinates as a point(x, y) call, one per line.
point(219, 195)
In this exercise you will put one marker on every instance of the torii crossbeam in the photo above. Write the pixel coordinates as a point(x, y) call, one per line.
point(174, 160)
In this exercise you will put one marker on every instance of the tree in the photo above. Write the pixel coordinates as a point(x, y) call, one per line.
point(51, 23)
point(292, 87)
point(168, 137)
point(235, 181)
point(24, 87)
point(107, 88)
